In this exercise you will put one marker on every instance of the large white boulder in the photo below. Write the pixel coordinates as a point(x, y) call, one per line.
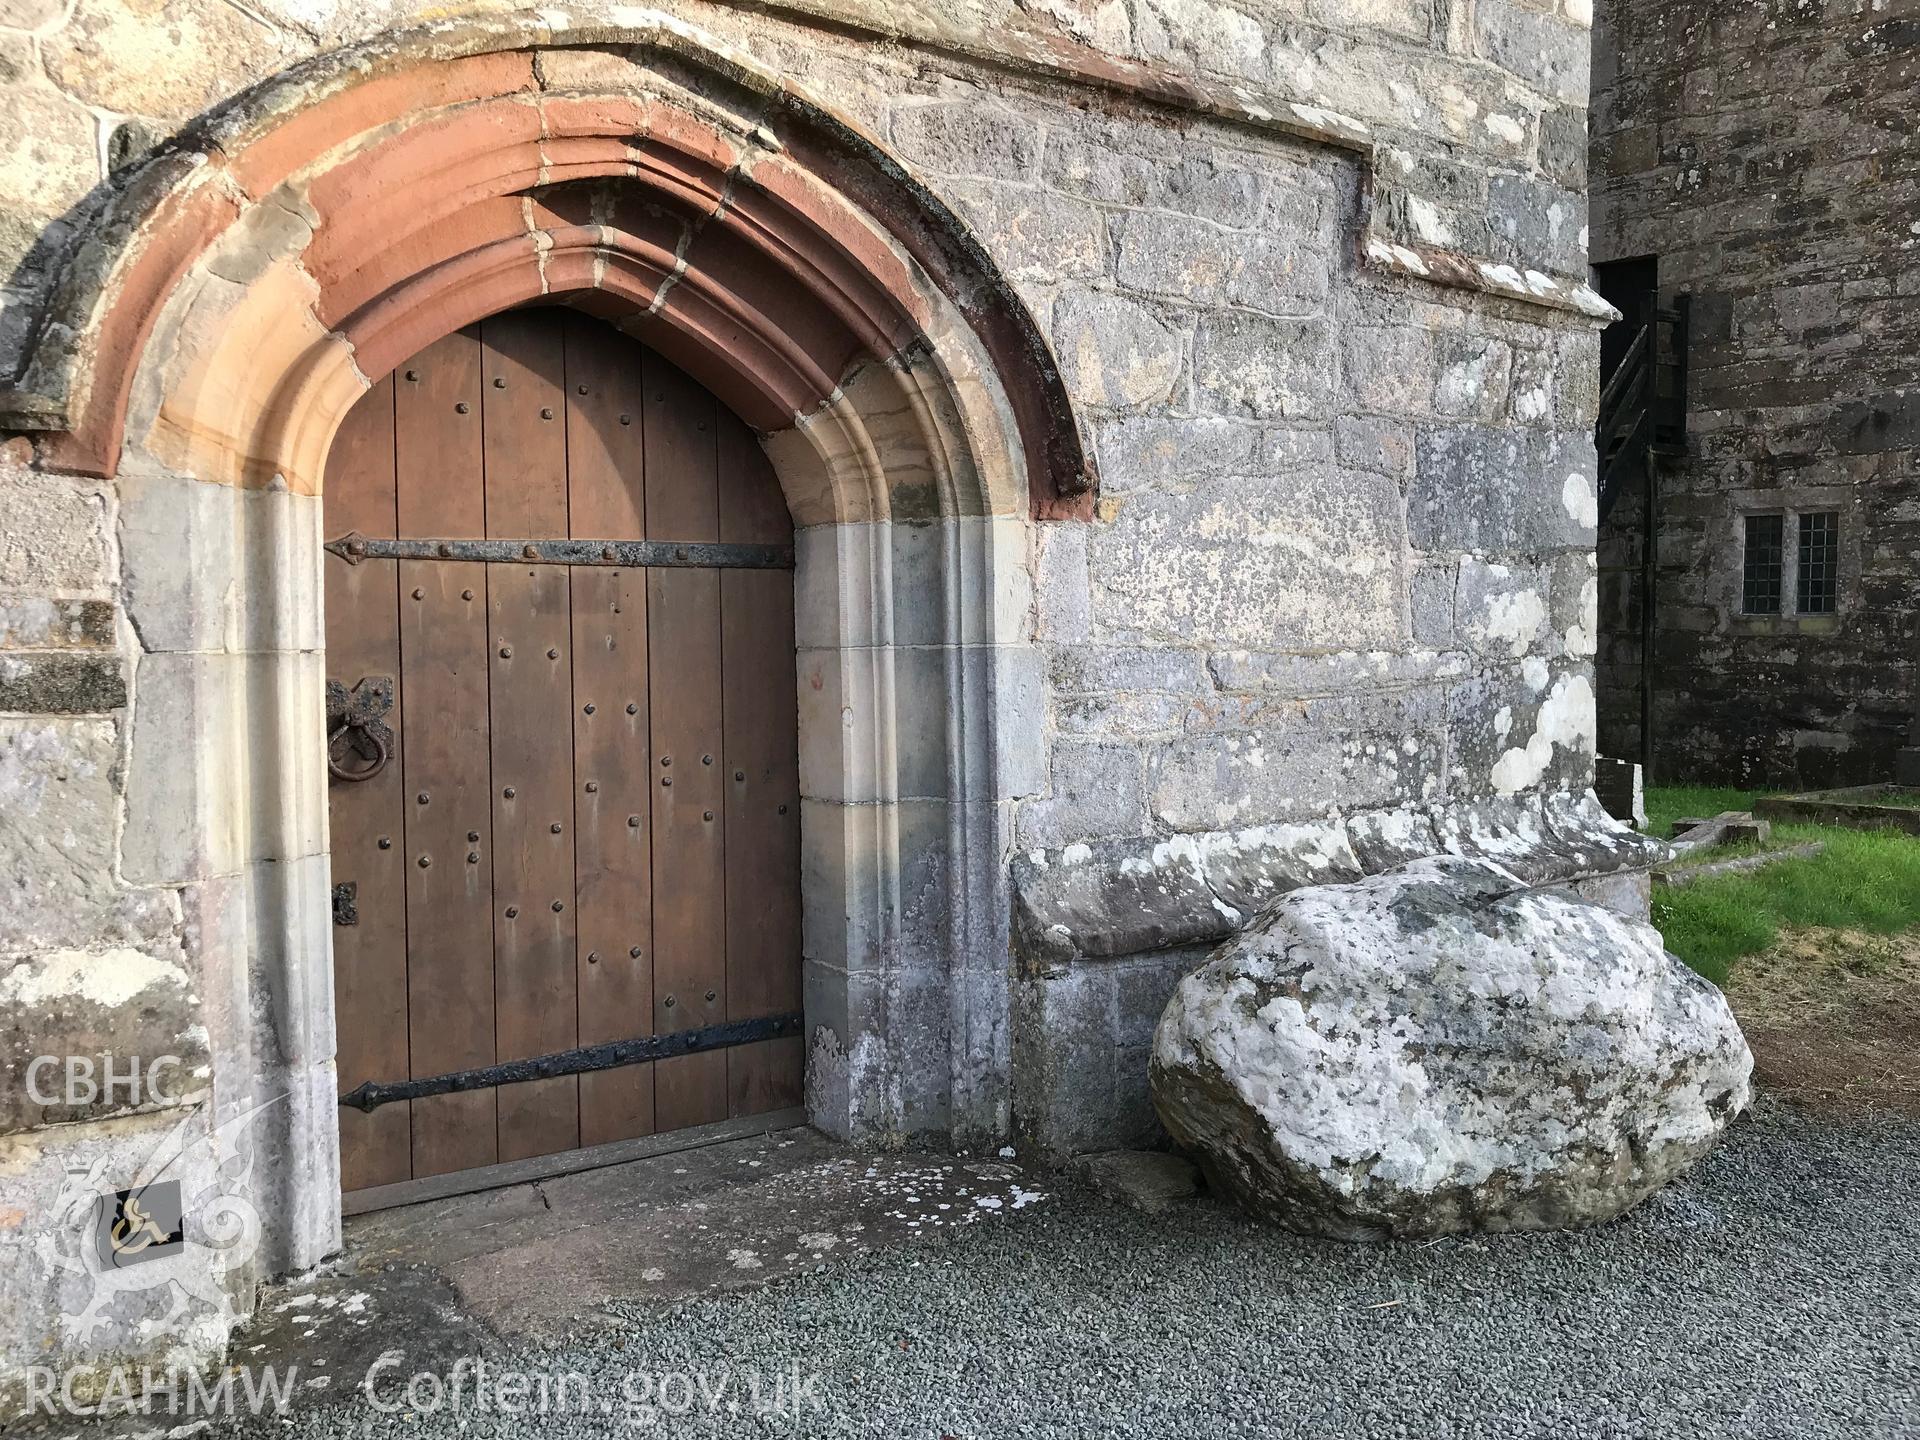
point(1441, 1049)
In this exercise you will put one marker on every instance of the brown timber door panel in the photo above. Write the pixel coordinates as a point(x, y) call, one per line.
point(369, 956)
point(587, 829)
point(443, 644)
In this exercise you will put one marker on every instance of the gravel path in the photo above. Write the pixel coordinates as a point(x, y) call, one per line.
point(1776, 1292)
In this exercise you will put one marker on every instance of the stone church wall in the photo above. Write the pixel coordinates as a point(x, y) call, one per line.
point(1761, 152)
point(1313, 275)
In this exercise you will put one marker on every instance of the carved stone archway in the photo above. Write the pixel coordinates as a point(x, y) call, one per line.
point(251, 282)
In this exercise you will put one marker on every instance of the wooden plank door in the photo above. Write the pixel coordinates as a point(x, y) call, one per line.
point(440, 470)
point(368, 818)
point(588, 830)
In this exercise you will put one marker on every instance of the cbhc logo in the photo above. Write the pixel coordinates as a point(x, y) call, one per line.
point(88, 1083)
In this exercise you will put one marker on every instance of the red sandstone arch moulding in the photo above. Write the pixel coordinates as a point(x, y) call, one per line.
point(388, 193)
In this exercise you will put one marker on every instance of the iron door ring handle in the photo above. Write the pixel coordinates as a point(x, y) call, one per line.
point(340, 772)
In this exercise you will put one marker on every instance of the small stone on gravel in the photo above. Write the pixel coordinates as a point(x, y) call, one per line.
point(1151, 1181)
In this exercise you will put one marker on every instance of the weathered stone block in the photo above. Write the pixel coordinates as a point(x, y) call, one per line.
point(964, 580)
point(48, 161)
point(1563, 146)
point(186, 809)
point(967, 136)
point(1389, 369)
point(1306, 445)
point(1218, 38)
point(1519, 729)
point(30, 622)
point(1542, 224)
point(117, 1010)
point(835, 683)
point(1382, 839)
point(1305, 559)
point(1576, 604)
point(1175, 256)
point(838, 571)
point(1096, 792)
point(1137, 896)
point(1503, 610)
point(1507, 830)
point(60, 779)
point(1540, 395)
point(1273, 369)
point(1543, 50)
point(178, 559)
point(1283, 271)
point(1577, 371)
point(1142, 984)
point(1497, 491)
point(1108, 899)
point(1037, 237)
point(1355, 752)
point(1376, 443)
point(1063, 600)
point(168, 60)
point(1502, 1061)
point(1598, 843)
point(1248, 869)
point(53, 530)
point(1064, 1103)
point(61, 683)
point(1010, 682)
point(1434, 588)
point(1103, 669)
point(1474, 372)
point(1286, 677)
point(1163, 452)
point(1122, 717)
point(1106, 168)
point(1439, 201)
point(1876, 426)
point(1133, 896)
point(923, 707)
point(1403, 17)
point(1114, 353)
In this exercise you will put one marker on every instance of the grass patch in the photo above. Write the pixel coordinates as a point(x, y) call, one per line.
point(1866, 881)
point(1668, 803)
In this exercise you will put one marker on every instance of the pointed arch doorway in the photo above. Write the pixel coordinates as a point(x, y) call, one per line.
point(202, 353)
point(563, 777)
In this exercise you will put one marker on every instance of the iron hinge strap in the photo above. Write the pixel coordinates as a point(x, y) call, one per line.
point(353, 547)
point(610, 1056)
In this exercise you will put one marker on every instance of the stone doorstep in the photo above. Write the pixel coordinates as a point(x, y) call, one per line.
point(1114, 898)
point(474, 1277)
